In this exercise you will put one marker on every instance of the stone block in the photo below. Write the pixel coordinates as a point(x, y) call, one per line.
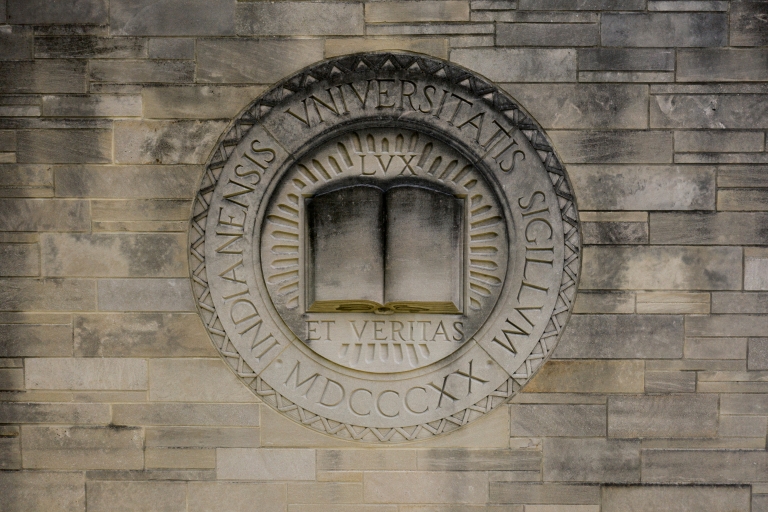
point(201, 437)
point(82, 447)
point(744, 404)
point(664, 416)
point(546, 420)
point(626, 59)
point(655, 498)
point(742, 426)
point(124, 182)
point(299, 18)
point(145, 295)
point(622, 337)
point(426, 29)
point(585, 5)
point(231, 60)
point(44, 215)
point(722, 65)
point(10, 454)
point(705, 466)
point(448, 487)
point(755, 268)
point(59, 491)
point(97, 105)
point(86, 373)
point(588, 377)
point(715, 348)
point(140, 209)
point(731, 111)
point(8, 143)
point(758, 354)
point(42, 12)
point(235, 496)
point(43, 76)
point(588, 106)
point(138, 71)
point(171, 48)
point(128, 496)
point(759, 503)
point(493, 5)
point(265, 464)
point(197, 102)
point(325, 492)
point(547, 494)
point(165, 142)
point(409, 12)
point(172, 458)
point(615, 147)
point(195, 380)
point(547, 34)
point(366, 460)
point(688, 5)
point(460, 459)
point(742, 200)
point(218, 415)
point(664, 29)
point(141, 335)
point(21, 175)
point(718, 141)
point(19, 260)
point(642, 77)
point(661, 268)
point(740, 302)
point(88, 47)
point(172, 18)
point(47, 294)
point(435, 46)
point(591, 460)
point(738, 176)
point(614, 233)
point(604, 302)
point(64, 146)
point(11, 379)
point(643, 187)
point(16, 43)
point(519, 64)
point(150, 475)
point(114, 255)
point(748, 24)
point(721, 228)
point(670, 382)
point(672, 303)
point(31, 340)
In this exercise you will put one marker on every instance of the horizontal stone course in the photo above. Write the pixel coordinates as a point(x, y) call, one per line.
point(196, 102)
point(545, 420)
point(425, 487)
point(41, 12)
point(102, 105)
point(409, 12)
point(19, 260)
point(591, 460)
point(721, 228)
point(614, 147)
point(165, 496)
point(675, 498)
point(705, 466)
point(172, 18)
point(547, 34)
point(478, 460)
point(588, 377)
point(722, 65)
point(138, 71)
point(520, 65)
point(47, 294)
point(124, 182)
point(548, 494)
point(664, 29)
point(299, 18)
point(86, 374)
point(64, 146)
point(43, 76)
point(52, 491)
point(165, 142)
point(626, 59)
point(145, 295)
point(726, 325)
point(195, 380)
point(211, 496)
point(747, 28)
point(663, 416)
point(82, 447)
point(730, 111)
point(265, 464)
point(366, 460)
point(202, 437)
point(187, 414)
point(84, 47)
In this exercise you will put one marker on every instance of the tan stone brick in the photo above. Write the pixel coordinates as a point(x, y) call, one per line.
point(265, 464)
point(705, 466)
point(86, 373)
point(460, 459)
point(101, 105)
point(42, 76)
point(138, 71)
point(235, 496)
point(171, 18)
point(672, 302)
point(298, 18)
point(510, 492)
point(11, 379)
point(358, 507)
point(165, 142)
point(59, 491)
point(19, 260)
point(675, 499)
point(10, 453)
point(195, 380)
point(520, 65)
point(64, 146)
point(726, 325)
point(742, 426)
point(130, 181)
point(588, 377)
point(613, 147)
point(591, 460)
point(540, 420)
point(129, 496)
point(30, 340)
point(201, 437)
point(54, 413)
point(425, 487)
point(325, 492)
point(197, 102)
point(44, 215)
point(411, 12)
point(670, 382)
point(715, 348)
point(365, 460)
point(663, 416)
point(490, 431)
point(169, 458)
point(219, 415)
point(435, 46)
point(605, 302)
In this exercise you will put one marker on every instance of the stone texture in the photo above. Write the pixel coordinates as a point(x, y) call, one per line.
point(626, 59)
point(742, 426)
point(366, 460)
point(10, 454)
point(224, 415)
point(715, 348)
point(196, 102)
point(755, 268)
point(325, 492)
point(705, 466)
point(519, 65)
point(614, 147)
point(43, 76)
point(16, 43)
point(748, 24)
point(195, 380)
point(408, 12)
point(742, 200)
point(82, 374)
point(588, 377)
point(18, 260)
point(44, 215)
point(604, 302)
point(235, 496)
point(171, 458)
point(19, 340)
point(435, 46)
point(47, 294)
point(718, 141)
point(425, 487)
point(510, 492)
point(545, 420)
point(102, 105)
point(670, 382)
point(739, 302)
point(126, 496)
point(726, 325)
point(82, 448)
point(672, 302)
point(722, 65)
point(547, 34)
point(124, 182)
point(171, 48)
point(172, 18)
point(478, 460)
point(79, 47)
point(299, 18)
point(145, 295)
point(662, 416)
point(41, 12)
point(265, 464)
point(59, 491)
point(133, 71)
point(675, 499)
point(11, 379)
point(579, 5)
point(758, 354)
point(202, 437)
point(663, 29)
point(54, 413)
point(165, 142)
point(731, 111)
point(64, 146)
point(591, 460)
point(721, 228)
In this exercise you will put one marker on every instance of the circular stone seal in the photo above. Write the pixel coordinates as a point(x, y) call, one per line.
point(384, 247)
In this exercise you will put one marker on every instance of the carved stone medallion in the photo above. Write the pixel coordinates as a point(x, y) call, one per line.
point(384, 247)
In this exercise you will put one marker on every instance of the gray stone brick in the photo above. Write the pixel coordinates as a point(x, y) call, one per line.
point(758, 354)
point(726, 325)
point(40, 12)
point(743, 200)
point(739, 302)
point(16, 43)
point(410, 12)
point(589, 106)
point(148, 475)
point(626, 59)
point(721, 228)
point(30, 340)
point(519, 65)
point(171, 48)
point(202, 437)
point(47, 294)
point(614, 233)
point(586, 5)
point(60, 491)
point(19, 412)
point(172, 17)
point(145, 295)
point(688, 5)
point(461, 459)
point(140, 71)
point(231, 60)
point(493, 5)
point(754, 404)
point(186, 414)
point(265, 464)
point(715, 348)
point(299, 18)
point(675, 499)
point(664, 29)
point(325, 492)
point(742, 426)
point(705, 466)
point(82, 447)
point(548, 494)
point(90, 47)
point(165, 142)
point(549, 420)
point(673, 302)
point(723, 65)
point(748, 24)
point(588, 377)
point(10, 454)
point(426, 487)
point(591, 460)
point(604, 302)
point(209, 496)
point(114, 255)
point(759, 503)
point(615, 147)
point(18, 260)
point(425, 29)
point(661, 268)
point(124, 182)
point(719, 141)
point(195, 380)
point(43, 76)
point(731, 111)
point(196, 102)
point(97, 105)
point(627, 76)
point(742, 176)
point(8, 141)
point(435, 46)
point(85, 373)
point(662, 416)
point(670, 382)
point(547, 34)
point(622, 337)
point(141, 335)
point(64, 146)
point(366, 460)
point(140, 209)
point(158, 496)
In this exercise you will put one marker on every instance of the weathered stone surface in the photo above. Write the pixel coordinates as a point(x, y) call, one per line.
point(18, 412)
point(425, 29)
point(742, 200)
point(157, 209)
point(758, 354)
point(726, 325)
point(718, 141)
point(172, 18)
point(732, 111)
point(86, 373)
point(102, 105)
point(536, 493)
point(141, 335)
point(613, 233)
point(16, 43)
point(79, 47)
point(64, 146)
point(616, 147)
point(195, 380)
point(299, 18)
point(547, 34)
point(643, 187)
point(588, 377)
point(579, 5)
point(436, 46)
point(675, 499)
point(716, 348)
point(125, 496)
point(47, 294)
point(670, 382)
point(661, 268)
point(545, 420)
point(145, 295)
point(59, 491)
point(662, 416)
point(626, 59)
point(138, 71)
point(325, 492)
point(565, 106)
point(10, 454)
point(748, 24)
point(519, 65)
point(705, 466)
point(759, 502)
point(212, 496)
point(738, 302)
point(408, 12)
point(196, 102)
point(622, 337)
point(663, 29)
point(591, 460)
point(721, 228)
point(755, 268)
point(742, 176)
point(173, 458)
point(43, 76)
point(672, 302)
point(165, 142)
point(627, 76)
point(17, 260)
point(604, 302)
point(744, 404)
point(82, 448)
point(202, 437)
point(41, 12)
point(425, 487)
point(171, 48)
point(113, 255)
point(123, 182)
point(11, 379)
point(265, 464)
point(224, 415)
point(230, 60)
point(722, 65)
point(688, 5)
point(478, 460)
point(742, 426)
point(25, 340)
point(366, 460)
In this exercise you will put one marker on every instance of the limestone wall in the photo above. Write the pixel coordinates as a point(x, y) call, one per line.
point(113, 396)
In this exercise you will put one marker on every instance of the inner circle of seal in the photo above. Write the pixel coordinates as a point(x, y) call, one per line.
point(406, 94)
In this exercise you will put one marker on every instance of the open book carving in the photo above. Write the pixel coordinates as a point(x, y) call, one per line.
point(384, 250)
